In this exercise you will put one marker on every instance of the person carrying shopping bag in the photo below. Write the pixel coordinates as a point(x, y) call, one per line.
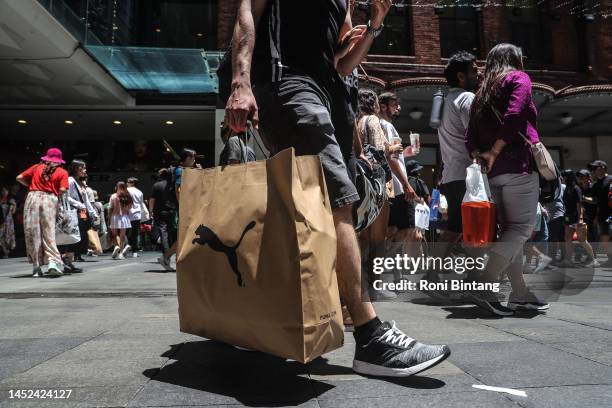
point(46, 181)
point(503, 115)
point(79, 200)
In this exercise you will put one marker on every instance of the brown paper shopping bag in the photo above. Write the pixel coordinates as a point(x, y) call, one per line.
point(256, 257)
point(94, 242)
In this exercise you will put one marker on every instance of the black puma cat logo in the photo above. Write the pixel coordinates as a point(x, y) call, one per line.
point(208, 237)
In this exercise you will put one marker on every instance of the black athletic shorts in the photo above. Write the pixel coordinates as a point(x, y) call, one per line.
point(454, 192)
point(297, 113)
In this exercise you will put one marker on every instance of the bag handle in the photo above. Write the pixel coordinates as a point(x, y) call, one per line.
point(255, 136)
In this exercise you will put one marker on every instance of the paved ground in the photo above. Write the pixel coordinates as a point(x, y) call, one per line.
point(111, 335)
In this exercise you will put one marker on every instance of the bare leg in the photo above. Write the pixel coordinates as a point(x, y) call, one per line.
point(121, 239)
point(348, 267)
point(569, 232)
point(172, 250)
point(588, 248)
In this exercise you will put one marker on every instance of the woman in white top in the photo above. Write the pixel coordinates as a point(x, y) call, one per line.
point(119, 209)
point(78, 199)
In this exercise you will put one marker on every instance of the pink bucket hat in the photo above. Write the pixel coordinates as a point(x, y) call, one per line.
point(54, 155)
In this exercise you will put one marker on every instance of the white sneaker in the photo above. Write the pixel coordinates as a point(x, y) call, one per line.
point(37, 272)
point(54, 270)
point(135, 255)
point(116, 252)
point(126, 249)
point(165, 262)
point(120, 256)
point(543, 263)
point(593, 264)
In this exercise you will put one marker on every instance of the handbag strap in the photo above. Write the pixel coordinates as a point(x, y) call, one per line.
point(498, 116)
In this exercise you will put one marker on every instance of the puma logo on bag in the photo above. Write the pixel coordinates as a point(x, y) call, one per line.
point(206, 236)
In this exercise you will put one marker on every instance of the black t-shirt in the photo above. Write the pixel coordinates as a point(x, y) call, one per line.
point(590, 209)
point(299, 38)
point(571, 198)
point(165, 198)
point(601, 190)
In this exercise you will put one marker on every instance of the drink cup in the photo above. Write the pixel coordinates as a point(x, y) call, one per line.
point(415, 142)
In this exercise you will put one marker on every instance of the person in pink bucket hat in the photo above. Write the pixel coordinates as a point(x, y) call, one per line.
point(46, 182)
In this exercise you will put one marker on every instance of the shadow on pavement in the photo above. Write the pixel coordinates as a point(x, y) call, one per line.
point(157, 271)
point(477, 313)
point(250, 377)
point(254, 378)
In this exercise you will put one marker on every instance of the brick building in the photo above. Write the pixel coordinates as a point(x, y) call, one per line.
point(569, 57)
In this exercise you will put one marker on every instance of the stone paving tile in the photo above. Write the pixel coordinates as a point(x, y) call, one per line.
point(582, 396)
point(423, 383)
point(57, 373)
point(80, 397)
point(19, 355)
point(526, 364)
point(455, 400)
point(184, 383)
point(596, 350)
point(549, 330)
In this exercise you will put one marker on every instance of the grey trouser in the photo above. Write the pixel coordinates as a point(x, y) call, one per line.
point(516, 199)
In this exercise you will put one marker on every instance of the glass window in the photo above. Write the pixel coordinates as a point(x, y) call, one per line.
point(459, 28)
point(396, 37)
point(150, 23)
point(531, 31)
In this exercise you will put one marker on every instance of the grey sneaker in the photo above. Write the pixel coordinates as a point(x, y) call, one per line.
point(37, 272)
point(391, 353)
point(529, 301)
point(488, 301)
point(165, 262)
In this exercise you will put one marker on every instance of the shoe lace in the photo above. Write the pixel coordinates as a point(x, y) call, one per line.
point(397, 337)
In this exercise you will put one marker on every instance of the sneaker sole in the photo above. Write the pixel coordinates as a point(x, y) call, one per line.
point(54, 273)
point(361, 367)
point(486, 306)
point(517, 307)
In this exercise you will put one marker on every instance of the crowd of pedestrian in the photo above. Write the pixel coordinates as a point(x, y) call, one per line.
point(58, 196)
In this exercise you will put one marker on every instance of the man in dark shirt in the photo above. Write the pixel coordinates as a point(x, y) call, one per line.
point(601, 194)
point(286, 54)
point(162, 208)
point(588, 203)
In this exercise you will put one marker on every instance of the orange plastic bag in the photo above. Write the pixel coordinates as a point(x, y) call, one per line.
point(478, 223)
point(477, 209)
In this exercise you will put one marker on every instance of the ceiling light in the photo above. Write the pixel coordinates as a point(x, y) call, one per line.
point(158, 30)
point(116, 122)
point(416, 114)
point(169, 123)
point(22, 122)
point(200, 35)
point(68, 122)
point(566, 119)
